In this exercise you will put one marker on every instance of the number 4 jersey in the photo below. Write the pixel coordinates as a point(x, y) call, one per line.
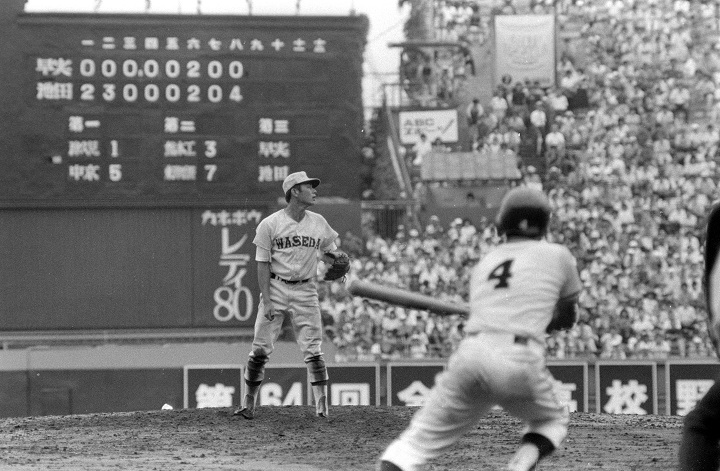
point(516, 286)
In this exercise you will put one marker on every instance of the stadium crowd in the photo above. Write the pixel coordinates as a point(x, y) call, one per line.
point(435, 76)
point(625, 147)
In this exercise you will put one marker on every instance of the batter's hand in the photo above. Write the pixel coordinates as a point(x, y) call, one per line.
point(269, 311)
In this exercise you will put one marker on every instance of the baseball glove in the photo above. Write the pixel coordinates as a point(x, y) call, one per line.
point(339, 267)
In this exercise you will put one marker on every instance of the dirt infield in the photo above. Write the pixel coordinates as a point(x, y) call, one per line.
point(291, 438)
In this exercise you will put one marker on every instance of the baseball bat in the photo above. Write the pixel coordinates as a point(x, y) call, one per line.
point(406, 298)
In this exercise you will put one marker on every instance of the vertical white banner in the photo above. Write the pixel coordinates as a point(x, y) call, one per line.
point(525, 48)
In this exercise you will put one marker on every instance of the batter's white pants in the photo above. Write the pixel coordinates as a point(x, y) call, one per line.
point(488, 369)
point(300, 302)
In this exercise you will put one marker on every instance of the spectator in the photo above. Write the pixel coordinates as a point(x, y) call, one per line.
point(499, 105)
point(538, 117)
point(473, 114)
point(555, 147)
point(438, 146)
point(420, 149)
point(519, 99)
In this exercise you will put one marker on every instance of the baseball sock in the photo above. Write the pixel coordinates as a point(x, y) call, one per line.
point(525, 458)
point(251, 391)
point(321, 400)
point(532, 448)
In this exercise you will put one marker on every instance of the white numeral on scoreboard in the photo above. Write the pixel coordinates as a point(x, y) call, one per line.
point(153, 93)
point(115, 172)
point(210, 149)
point(210, 169)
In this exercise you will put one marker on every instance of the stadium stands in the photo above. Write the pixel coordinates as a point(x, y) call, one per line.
point(630, 188)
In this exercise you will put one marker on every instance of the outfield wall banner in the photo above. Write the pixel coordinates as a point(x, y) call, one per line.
point(434, 124)
point(224, 270)
point(687, 383)
point(284, 385)
point(408, 384)
point(223, 386)
point(525, 48)
point(626, 387)
point(354, 384)
point(211, 386)
point(572, 384)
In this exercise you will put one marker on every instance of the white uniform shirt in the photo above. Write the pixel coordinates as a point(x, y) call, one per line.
point(293, 246)
point(516, 287)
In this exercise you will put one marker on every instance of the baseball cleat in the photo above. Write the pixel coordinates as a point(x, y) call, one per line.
point(321, 407)
point(248, 410)
point(388, 466)
point(246, 413)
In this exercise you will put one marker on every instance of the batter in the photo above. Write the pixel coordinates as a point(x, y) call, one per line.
point(514, 292)
point(288, 243)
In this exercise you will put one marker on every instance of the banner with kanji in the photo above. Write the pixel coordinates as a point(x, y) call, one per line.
point(225, 275)
point(211, 386)
point(687, 383)
point(626, 387)
point(571, 380)
point(409, 384)
point(525, 48)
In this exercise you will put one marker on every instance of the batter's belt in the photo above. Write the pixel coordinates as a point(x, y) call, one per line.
point(506, 338)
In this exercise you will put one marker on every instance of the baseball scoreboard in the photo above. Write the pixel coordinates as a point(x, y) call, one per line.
point(139, 152)
point(123, 110)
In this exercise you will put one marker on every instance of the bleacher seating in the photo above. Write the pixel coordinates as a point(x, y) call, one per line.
point(630, 192)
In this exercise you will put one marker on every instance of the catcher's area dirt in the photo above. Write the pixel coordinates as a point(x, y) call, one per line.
point(291, 438)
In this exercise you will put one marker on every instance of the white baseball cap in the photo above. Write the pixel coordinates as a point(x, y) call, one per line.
point(298, 178)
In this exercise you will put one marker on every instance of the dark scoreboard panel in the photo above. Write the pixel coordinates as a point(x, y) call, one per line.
point(124, 110)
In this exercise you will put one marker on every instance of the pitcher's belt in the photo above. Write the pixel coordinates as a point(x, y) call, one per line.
point(290, 282)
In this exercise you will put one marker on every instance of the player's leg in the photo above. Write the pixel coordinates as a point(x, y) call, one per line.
point(546, 418)
point(701, 434)
point(307, 323)
point(266, 333)
point(453, 407)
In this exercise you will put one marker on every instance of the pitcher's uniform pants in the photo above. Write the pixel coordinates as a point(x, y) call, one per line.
point(300, 302)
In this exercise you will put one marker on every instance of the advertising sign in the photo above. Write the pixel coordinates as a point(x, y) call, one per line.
point(433, 123)
point(225, 276)
point(408, 384)
point(212, 386)
point(284, 385)
point(572, 384)
point(354, 385)
point(687, 384)
point(627, 387)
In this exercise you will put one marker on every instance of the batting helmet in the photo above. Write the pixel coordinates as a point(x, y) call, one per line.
point(523, 212)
